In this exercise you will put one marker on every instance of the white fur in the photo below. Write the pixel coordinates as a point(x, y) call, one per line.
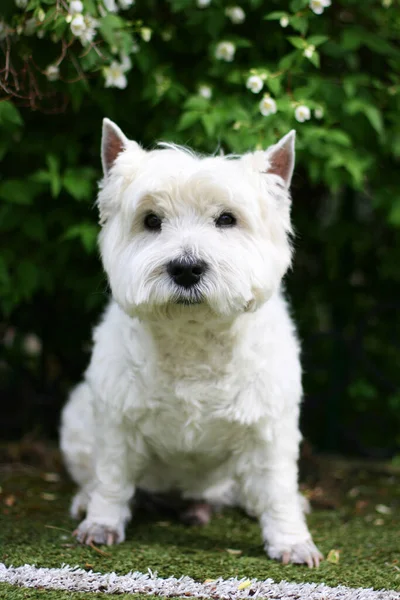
point(202, 398)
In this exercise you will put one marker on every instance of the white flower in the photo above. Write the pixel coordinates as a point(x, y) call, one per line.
point(87, 36)
point(302, 113)
point(267, 106)
point(124, 4)
point(166, 35)
point(110, 5)
point(284, 21)
point(146, 34)
point(205, 91)
point(236, 14)
point(32, 344)
point(4, 29)
point(30, 26)
point(78, 25)
point(319, 113)
point(225, 51)
point(75, 7)
point(203, 3)
point(135, 47)
point(126, 63)
point(21, 3)
point(255, 84)
point(318, 6)
point(309, 51)
point(115, 77)
point(41, 15)
point(387, 3)
point(84, 28)
point(52, 72)
point(40, 34)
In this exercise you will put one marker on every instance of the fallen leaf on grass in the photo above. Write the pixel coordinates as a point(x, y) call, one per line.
point(333, 557)
point(10, 500)
point(163, 523)
point(379, 522)
point(209, 581)
point(382, 509)
point(234, 552)
point(47, 496)
point(361, 505)
point(245, 584)
point(51, 477)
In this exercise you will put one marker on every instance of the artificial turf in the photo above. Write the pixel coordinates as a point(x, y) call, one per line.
point(364, 527)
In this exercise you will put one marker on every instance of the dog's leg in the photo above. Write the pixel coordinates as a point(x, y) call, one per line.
point(116, 469)
point(268, 480)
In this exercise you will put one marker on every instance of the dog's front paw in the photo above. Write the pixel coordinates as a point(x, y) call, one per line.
point(89, 532)
point(302, 552)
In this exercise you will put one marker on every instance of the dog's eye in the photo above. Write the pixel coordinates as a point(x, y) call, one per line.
point(152, 222)
point(225, 220)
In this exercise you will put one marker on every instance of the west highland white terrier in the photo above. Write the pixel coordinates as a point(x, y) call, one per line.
point(194, 383)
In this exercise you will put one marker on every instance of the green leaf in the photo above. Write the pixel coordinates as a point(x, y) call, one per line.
point(110, 25)
point(9, 114)
point(297, 42)
point(79, 183)
point(394, 215)
point(209, 122)
point(275, 16)
point(317, 40)
point(27, 274)
point(86, 232)
point(372, 113)
point(197, 103)
point(287, 61)
point(274, 84)
point(188, 119)
point(17, 191)
point(53, 165)
point(374, 116)
point(299, 23)
point(296, 5)
point(314, 59)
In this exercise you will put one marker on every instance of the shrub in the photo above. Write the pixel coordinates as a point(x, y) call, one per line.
point(213, 75)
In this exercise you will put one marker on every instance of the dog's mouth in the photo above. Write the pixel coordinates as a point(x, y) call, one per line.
point(188, 298)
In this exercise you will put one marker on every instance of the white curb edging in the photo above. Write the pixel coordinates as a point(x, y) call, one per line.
point(77, 580)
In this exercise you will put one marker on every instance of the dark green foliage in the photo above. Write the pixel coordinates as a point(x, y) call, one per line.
point(345, 285)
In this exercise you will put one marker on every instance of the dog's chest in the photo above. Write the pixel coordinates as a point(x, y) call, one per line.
point(188, 413)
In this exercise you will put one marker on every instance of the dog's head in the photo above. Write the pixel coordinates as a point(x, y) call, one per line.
point(183, 233)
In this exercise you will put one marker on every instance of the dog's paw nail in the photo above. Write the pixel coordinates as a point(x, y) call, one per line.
point(301, 553)
point(95, 533)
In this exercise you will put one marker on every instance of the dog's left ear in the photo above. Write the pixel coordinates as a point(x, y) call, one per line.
point(281, 158)
point(113, 142)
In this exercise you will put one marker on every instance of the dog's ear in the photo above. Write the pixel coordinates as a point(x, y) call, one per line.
point(113, 142)
point(281, 157)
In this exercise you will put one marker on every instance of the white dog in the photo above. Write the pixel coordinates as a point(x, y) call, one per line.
point(195, 380)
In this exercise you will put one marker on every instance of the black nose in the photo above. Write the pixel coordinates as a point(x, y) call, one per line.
point(187, 272)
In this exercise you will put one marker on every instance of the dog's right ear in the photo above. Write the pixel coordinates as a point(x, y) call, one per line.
point(113, 142)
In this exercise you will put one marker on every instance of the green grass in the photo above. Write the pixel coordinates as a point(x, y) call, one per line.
point(36, 529)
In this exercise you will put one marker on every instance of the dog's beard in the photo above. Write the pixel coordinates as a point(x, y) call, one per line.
point(188, 297)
